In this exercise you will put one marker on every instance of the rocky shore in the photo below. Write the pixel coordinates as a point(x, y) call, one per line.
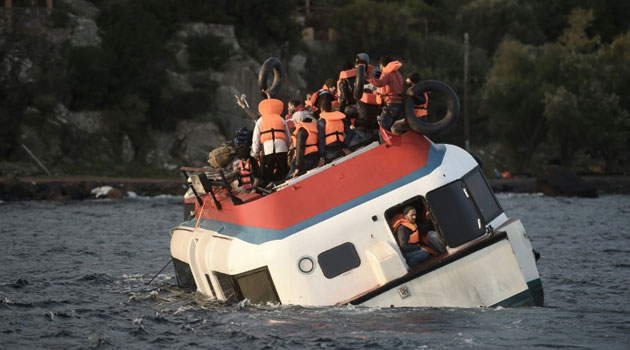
point(78, 188)
point(600, 184)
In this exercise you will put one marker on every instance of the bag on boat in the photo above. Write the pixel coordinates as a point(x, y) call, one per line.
point(223, 155)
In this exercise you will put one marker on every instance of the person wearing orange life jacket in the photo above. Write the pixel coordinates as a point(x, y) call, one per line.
point(420, 104)
point(345, 84)
point(248, 166)
point(292, 107)
point(328, 89)
point(408, 237)
point(249, 171)
point(272, 134)
point(332, 131)
point(390, 89)
point(305, 144)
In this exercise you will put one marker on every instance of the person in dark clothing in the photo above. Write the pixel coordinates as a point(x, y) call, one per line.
point(332, 131)
point(427, 234)
point(328, 91)
point(345, 89)
point(421, 103)
point(365, 125)
point(305, 142)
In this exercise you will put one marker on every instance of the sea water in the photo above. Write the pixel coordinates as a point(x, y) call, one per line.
point(74, 276)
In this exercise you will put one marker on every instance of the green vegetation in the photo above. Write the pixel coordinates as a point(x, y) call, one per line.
point(207, 51)
point(547, 81)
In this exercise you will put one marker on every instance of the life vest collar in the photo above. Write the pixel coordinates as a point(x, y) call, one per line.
point(350, 73)
point(270, 106)
point(334, 115)
point(371, 99)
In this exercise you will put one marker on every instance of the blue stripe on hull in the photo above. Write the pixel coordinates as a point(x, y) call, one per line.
point(257, 235)
point(523, 298)
point(536, 289)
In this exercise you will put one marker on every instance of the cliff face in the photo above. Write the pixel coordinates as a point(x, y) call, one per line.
point(39, 110)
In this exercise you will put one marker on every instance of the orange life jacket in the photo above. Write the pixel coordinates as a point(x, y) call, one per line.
point(245, 172)
point(391, 92)
point(371, 99)
point(414, 238)
point(334, 126)
point(421, 110)
point(310, 145)
point(351, 73)
point(399, 219)
point(272, 128)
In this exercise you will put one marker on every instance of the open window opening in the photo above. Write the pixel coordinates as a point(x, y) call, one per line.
point(463, 208)
point(255, 285)
point(413, 227)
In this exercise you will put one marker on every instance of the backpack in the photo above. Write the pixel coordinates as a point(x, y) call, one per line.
point(223, 155)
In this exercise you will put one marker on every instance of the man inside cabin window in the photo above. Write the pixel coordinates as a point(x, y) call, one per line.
point(415, 245)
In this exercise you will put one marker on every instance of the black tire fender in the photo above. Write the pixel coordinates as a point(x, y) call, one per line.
point(270, 64)
point(359, 82)
point(452, 108)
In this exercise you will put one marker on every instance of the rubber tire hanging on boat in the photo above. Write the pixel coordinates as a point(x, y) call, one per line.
point(359, 82)
point(452, 108)
point(270, 64)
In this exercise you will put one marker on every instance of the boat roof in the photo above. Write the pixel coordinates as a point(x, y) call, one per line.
point(323, 193)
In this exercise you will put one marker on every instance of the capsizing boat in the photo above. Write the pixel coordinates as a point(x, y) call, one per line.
point(325, 238)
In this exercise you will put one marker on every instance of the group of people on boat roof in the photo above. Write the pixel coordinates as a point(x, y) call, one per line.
point(330, 123)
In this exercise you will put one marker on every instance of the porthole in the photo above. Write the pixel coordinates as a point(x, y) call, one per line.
point(306, 265)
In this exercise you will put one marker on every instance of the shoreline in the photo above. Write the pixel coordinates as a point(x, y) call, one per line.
point(64, 188)
point(80, 187)
point(603, 184)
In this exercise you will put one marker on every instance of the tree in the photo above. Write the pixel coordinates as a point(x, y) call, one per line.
point(488, 21)
point(512, 100)
point(567, 90)
point(369, 26)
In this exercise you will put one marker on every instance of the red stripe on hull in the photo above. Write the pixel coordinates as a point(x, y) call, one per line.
point(324, 191)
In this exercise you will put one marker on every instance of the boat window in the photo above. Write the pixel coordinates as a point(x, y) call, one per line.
point(184, 275)
point(394, 213)
point(455, 213)
point(482, 195)
point(338, 260)
point(255, 285)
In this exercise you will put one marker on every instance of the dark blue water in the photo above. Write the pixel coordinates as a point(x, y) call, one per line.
point(73, 276)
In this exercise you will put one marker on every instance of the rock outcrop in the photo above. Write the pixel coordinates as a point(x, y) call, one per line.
point(67, 139)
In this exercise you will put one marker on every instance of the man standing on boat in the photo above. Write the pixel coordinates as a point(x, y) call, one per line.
point(332, 131)
point(408, 238)
point(390, 89)
point(304, 140)
point(346, 82)
point(271, 132)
